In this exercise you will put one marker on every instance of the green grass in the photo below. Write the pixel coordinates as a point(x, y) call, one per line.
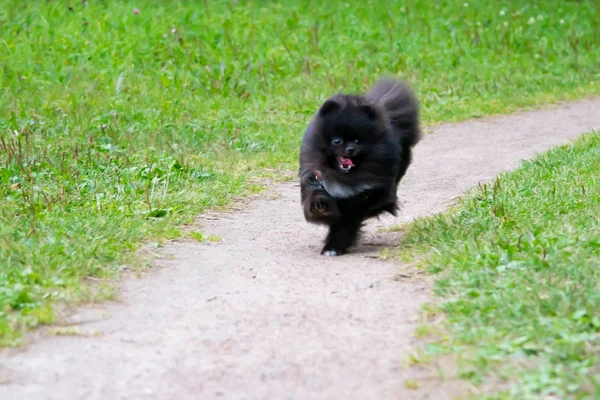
point(117, 127)
point(520, 275)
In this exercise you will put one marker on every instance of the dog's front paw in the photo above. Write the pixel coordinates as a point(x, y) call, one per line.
point(332, 252)
point(319, 206)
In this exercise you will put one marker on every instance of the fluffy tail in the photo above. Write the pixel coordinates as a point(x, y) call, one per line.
point(402, 107)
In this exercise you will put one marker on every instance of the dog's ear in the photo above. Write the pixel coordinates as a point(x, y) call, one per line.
point(329, 107)
point(368, 110)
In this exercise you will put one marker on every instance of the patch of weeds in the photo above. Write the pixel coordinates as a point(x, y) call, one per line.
point(385, 254)
point(200, 237)
point(422, 330)
point(395, 228)
point(411, 384)
point(419, 357)
point(73, 331)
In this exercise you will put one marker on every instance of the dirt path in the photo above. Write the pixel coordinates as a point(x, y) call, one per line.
point(261, 315)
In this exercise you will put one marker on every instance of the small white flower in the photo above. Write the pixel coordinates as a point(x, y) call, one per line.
point(562, 21)
point(540, 17)
point(505, 23)
point(478, 23)
point(465, 4)
point(531, 21)
point(502, 12)
point(537, 56)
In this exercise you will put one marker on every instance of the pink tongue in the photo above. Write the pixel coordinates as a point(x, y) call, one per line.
point(346, 162)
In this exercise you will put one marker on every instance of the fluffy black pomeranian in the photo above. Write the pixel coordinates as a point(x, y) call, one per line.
point(353, 155)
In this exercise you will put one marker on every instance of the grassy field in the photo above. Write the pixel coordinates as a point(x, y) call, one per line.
point(120, 120)
point(520, 276)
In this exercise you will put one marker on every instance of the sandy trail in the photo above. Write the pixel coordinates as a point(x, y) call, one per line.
point(261, 315)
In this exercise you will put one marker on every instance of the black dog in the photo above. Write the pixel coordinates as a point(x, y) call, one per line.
point(353, 155)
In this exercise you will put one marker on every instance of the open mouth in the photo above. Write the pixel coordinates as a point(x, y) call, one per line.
point(346, 164)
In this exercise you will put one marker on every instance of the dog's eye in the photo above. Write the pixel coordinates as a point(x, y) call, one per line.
point(356, 141)
point(336, 140)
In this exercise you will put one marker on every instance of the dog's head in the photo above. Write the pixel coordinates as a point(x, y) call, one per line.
point(350, 128)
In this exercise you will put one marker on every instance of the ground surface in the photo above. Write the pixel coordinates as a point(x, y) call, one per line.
point(260, 314)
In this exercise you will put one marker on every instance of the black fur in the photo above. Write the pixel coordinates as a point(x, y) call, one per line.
point(376, 132)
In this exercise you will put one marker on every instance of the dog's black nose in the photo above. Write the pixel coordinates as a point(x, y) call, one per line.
point(349, 150)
